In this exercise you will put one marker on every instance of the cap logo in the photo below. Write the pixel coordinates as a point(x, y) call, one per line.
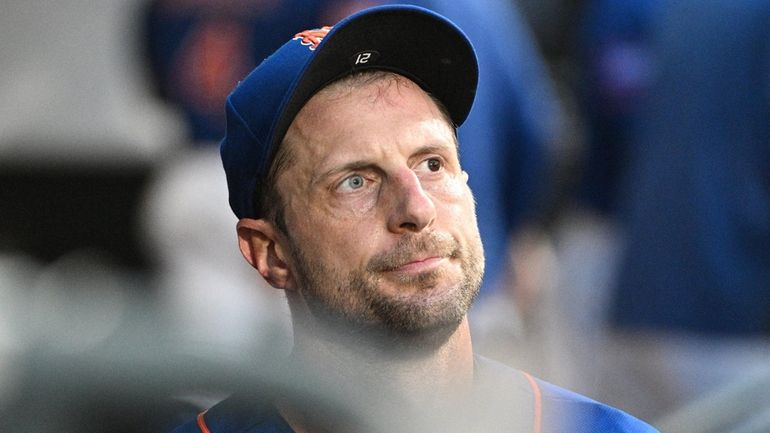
point(311, 38)
point(364, 57)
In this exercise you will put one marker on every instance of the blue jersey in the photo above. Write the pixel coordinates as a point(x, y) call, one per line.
point(520, 403)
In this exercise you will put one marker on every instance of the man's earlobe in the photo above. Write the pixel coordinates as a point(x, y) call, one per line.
point(262, 246)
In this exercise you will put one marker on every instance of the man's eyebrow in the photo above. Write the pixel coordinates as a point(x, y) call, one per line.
point(434, 148)
point(349, 166)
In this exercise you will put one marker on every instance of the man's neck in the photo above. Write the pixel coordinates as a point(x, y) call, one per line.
point(409, 373)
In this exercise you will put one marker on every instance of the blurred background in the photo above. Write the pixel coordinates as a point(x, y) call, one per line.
point(619, 152)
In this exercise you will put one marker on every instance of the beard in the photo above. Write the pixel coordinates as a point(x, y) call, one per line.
point(430, 306)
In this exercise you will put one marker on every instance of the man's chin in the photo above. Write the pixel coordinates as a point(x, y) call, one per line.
point(397, 312)
point(396, 328)
point(426, 310)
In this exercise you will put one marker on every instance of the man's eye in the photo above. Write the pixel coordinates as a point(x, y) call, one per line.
point(430, 165)
point(353, 182)
point(434, 164)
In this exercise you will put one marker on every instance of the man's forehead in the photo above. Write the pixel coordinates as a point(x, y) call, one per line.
point(361, 110)
point(368, 89)
point(369, 86)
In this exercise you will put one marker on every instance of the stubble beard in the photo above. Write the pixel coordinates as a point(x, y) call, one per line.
point(423, 316)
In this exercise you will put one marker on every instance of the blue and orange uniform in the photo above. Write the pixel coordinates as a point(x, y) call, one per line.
point(520, 403)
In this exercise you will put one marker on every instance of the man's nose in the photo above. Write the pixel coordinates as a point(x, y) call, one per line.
point(412, 209)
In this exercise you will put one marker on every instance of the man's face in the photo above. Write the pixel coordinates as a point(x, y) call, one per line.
point(381, 222)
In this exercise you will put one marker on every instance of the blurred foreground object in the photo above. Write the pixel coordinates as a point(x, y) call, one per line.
point(742, 406)
point(208, 292)
point(71, 88)
point(84, 353)
point(79, 129)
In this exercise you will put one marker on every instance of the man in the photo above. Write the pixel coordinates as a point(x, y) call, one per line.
point(342, 165)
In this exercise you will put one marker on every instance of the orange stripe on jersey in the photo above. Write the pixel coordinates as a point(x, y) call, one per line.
point(538, 395)
point(202, 423)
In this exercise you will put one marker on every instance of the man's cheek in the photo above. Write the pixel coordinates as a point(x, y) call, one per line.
point(450, 188)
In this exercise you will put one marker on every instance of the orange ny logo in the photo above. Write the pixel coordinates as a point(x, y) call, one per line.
point(313, 37)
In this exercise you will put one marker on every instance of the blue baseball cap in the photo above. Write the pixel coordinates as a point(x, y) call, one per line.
point(408, 40)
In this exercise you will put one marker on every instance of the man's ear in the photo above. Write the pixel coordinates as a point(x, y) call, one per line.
point(262, 246)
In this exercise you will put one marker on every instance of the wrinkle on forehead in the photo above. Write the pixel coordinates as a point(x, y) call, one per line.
point(368, 88)
point(379, 86)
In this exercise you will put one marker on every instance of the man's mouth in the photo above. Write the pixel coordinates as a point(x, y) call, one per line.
point(419, 265)
point(414, 255)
